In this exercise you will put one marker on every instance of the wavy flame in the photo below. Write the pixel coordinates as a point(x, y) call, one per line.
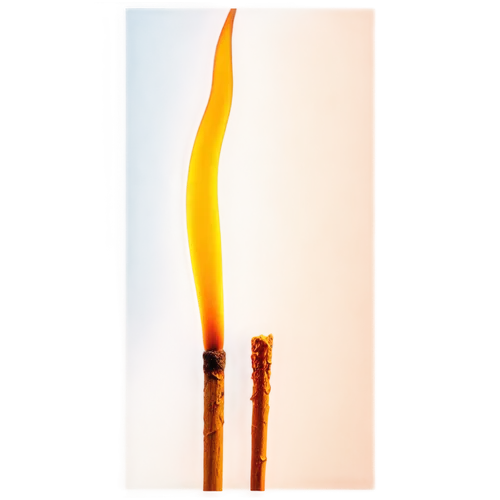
point(201, 196)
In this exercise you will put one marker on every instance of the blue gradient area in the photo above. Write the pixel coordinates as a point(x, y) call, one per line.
point(168, 62)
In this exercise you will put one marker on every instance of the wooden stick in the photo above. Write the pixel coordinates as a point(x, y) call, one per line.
point(262, 348)
point(214, 363)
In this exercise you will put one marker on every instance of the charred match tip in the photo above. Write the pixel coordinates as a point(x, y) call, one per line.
point(262, 351)
point(214, 360)
point(262, 342)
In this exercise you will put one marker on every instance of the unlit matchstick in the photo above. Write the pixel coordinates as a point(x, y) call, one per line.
point(214, 363)
point(262, 348)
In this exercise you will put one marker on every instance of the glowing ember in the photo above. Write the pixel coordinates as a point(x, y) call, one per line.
point(201, 197)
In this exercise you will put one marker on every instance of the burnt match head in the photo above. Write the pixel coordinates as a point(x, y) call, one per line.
point(214, 360)
point(262, 351)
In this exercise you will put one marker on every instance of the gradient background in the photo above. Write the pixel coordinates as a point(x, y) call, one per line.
point(295, 200)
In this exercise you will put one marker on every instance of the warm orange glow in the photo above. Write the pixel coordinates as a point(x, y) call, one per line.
point(201, 198)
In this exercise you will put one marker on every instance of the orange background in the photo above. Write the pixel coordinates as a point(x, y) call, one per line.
point(297, 197)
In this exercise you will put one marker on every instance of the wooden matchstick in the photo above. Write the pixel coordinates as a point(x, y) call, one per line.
point(214, 363)
point(262, 348)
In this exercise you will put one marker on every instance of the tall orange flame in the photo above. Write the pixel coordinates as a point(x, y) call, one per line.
point(201, 197)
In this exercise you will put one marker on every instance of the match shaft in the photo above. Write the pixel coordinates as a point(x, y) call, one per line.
point(214, 363)
point(261, 364)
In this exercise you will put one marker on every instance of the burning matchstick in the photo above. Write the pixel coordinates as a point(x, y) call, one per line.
point(203, 226)
point(202, 213)
point(214, 363)
point(262, 350)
